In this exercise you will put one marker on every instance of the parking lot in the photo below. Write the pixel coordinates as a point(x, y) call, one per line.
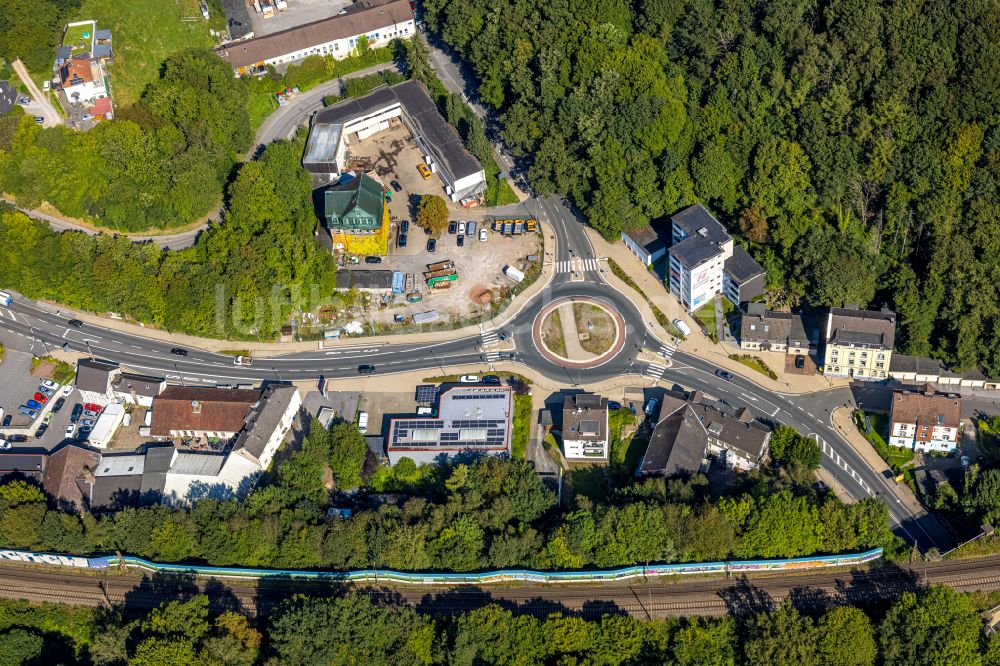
point(18, 385)
point(299, 12)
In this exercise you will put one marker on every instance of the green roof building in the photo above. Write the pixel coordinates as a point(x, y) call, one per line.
point(355, 206)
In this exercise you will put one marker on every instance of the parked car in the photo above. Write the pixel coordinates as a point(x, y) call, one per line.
point(507, 356)
point(7, 419)
point(41, 397)
point(24, 101)
point(45, 391)
point(460, 241)
point(461, 228)
point(57, 405)
point(395, 185)
point(29, 411)
point(66, 390)
point(34, 405)
point(48, 418)
point(87, 423)
point(39, 119)
point(800, 362)
point(431, 245)
point(46, 85)
point(363, 422)
point(41, 430)
point(366, 369)
point(491, 379)
point(724, 374)
point(87, 414)
point(177, 351)
point(471, 229)
point(402, 240)
point(83, 433)
point(404, 226)
point(70, 429)
point(5, 444)
point(482, 235)
point(49, 384)
point(469, 379)
point(17, 439)
point(452, 227)
point(650, 407)
point(75, 414)
point(75, 323)
point(92, 407)
point(424, 171)
point(242, 360)
point(614, 406)
point(373, 260)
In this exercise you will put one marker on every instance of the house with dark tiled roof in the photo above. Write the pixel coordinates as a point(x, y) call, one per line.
point(858, 343)
point(768, 330)
point(69, 475)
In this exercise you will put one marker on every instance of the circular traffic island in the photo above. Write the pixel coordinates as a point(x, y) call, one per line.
point(578, 332)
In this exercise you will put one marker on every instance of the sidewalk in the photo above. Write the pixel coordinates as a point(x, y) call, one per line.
point(264, 349)
point(697, 343)
point(844, 424)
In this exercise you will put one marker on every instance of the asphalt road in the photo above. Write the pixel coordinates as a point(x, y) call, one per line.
point(701, 595)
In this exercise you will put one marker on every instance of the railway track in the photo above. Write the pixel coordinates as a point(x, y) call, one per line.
point(708, 595)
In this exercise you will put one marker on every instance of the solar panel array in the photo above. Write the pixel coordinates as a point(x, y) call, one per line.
point(451, 432)
point(427, 393)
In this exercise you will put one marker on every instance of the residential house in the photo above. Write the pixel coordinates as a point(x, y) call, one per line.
point(858, 343)
point(94, 379)
point(471, 419)
point(768, 330)
point(645, 244)
point(925, 420)
point(201, 412)
point(585, 427)
point(327, 149)
point(8, 97)
point(372, 22)
point(137, 389)
point(64, 477)
point(82, 79)
point(704, 262)
point(691, 431)
point(355, 206)
point(919, 370)
point(267, 424)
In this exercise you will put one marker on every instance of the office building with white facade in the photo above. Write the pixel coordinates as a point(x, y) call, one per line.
point(704, 262)
point(585, 427)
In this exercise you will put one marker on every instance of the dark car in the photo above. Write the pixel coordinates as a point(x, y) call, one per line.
point(614, 406)
point(75, 415)
point(39, 119)
point(17, 438)
point(452, 227)
point(58, 405)
point(395, 185)
point(491, 379)
point(506, 356)
point(402, 240)
point(800, 362)
point(373, 260)
point(724, 374)
point(75, 323)
point(460, 241)
point(366, 369)
point(177, 351)
point(41, 430)
point(7, 419)
point(431, 245)
point(83, 433)
point(404, 226)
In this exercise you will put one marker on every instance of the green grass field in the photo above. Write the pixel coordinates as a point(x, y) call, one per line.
point(79, 38)
point(145, 34)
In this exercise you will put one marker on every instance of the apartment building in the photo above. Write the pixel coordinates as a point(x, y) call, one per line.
point(925, 420)
point(704, 262)
point(858, 343)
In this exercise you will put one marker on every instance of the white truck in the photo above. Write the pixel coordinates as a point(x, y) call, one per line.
point(513, 274)
point(682, 327)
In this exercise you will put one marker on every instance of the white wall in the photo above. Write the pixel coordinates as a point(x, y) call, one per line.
point(342, 48)
point(573, 449)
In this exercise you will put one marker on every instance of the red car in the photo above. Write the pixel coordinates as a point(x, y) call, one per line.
point(41, 397)
point(91, 407)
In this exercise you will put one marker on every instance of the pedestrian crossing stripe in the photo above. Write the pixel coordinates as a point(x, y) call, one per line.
point(667, 352)
point(655, 371)
point(492, 356)
point(490, 338)
point(566, 266)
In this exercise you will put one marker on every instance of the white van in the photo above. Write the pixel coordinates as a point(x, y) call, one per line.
point(682, 327)
point(363, 422)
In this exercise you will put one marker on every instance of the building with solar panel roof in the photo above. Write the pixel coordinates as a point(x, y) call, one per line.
point(470, 419)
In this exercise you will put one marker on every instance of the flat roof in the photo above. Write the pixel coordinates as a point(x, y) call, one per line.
point(694, 251)
point(321, 148)
point(423, 114)
point(475, 417)
point(363, 279)
point(741, 267)
point(696, 218)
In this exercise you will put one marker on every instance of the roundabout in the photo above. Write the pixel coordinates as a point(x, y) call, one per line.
point(580, 332)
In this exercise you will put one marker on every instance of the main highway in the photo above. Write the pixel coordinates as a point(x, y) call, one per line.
point(657, 597)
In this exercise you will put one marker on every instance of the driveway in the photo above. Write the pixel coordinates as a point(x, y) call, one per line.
point(42, 103)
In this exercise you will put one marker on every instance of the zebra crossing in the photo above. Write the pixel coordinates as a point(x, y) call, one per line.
point(567, 265)
point(667, 352)
point(489, 338)
point(492, 356)
point(655, 370)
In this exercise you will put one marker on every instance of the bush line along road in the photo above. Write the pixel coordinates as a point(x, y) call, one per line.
point(808, 413)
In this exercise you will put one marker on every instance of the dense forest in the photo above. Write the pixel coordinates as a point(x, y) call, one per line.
point(163, 162)
point(930, 627)
point(459, 516)
point(853, 146)
point(242, 279)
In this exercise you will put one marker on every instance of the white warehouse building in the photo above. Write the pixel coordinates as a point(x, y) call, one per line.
point(377, 21)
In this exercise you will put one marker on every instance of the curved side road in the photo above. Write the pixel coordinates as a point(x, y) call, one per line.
point(655, 598)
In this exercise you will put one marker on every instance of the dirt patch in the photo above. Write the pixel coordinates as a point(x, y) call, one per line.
point(43, 369)
point(596, 327)
point(480, 294)
point(552, 334)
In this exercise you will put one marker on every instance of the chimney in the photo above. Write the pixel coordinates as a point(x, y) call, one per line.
point(195, 407)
